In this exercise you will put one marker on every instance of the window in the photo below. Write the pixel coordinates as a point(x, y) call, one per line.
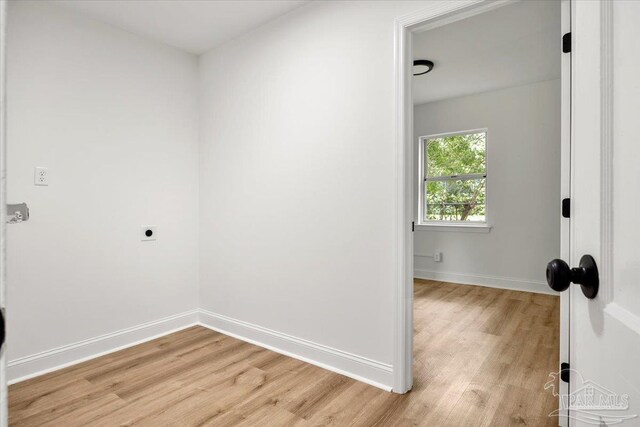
point(454, 178)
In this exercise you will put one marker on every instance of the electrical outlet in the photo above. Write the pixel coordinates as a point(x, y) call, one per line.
point(437, 257)
point(41, 176)
point(148, 232)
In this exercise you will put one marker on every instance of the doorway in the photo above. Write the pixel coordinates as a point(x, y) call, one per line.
point(471, 73)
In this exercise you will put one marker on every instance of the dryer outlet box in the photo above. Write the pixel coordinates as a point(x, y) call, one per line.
point(148, 232)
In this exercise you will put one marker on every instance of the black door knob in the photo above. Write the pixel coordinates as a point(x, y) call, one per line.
point(560, 276)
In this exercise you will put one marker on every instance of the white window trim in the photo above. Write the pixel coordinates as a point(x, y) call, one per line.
point(460, 226)
point(476, 227)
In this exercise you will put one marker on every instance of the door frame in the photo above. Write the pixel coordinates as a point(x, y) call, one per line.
point(438, 14)
point(565, 192)
point(4, 421)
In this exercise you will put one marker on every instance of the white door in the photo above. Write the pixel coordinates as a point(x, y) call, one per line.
point(605, 331)
point(3, 209)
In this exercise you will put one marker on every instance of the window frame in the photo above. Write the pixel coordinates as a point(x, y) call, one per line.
point(437, 225)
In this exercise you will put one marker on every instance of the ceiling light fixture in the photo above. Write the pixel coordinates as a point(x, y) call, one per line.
point(422, 66)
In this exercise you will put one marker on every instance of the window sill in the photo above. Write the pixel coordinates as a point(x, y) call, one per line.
point(463, 228)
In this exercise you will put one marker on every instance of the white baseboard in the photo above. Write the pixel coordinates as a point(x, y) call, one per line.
point(489, 281)
point(357, 367)
point(51, 360)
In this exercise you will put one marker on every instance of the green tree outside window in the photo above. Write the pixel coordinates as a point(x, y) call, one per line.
point(455, 177)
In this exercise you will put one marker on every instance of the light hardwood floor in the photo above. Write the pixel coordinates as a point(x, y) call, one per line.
point(482, 357)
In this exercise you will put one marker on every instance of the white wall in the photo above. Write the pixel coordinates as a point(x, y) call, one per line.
point(114, 117)
point(297, 180)
point(523, 188)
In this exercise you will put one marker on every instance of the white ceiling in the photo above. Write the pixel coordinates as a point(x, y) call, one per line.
point(192, 25)
point(509, 46)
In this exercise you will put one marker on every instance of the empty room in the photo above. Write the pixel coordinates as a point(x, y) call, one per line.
point(487, 130)
point(313, 213)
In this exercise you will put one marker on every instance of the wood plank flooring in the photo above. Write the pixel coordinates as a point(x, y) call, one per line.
point(482, 357)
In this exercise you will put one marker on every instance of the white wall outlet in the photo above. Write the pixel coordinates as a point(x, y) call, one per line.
point(41, 176)
point(437, 257)
point(148, 232)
